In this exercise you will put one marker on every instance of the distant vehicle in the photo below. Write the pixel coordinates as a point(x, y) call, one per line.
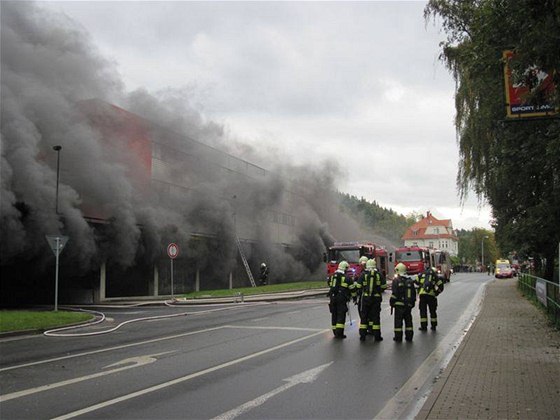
point(442, 263)
point(503, 269)
point(349, 252)
point(416, 259)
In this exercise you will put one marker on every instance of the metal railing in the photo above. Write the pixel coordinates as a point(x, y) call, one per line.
point(545, 292)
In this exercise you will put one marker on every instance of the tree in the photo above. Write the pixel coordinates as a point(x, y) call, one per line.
point(515, 166)
point(375, 218)
point(470, 246)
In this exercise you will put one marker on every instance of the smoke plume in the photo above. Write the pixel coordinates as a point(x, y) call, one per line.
point(49, 66)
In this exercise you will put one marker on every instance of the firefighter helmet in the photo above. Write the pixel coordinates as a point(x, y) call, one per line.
point(343, 266)
point(400, 268)
point(370, 265)
point(363, 260)
point(263, 265)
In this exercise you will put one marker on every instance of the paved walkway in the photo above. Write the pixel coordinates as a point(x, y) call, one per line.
point(507, 366)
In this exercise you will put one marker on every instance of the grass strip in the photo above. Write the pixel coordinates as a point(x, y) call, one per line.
point(39, 320)
point(248, 291)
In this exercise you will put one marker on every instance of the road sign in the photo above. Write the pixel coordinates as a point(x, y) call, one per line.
point(172, 250)
point(56, 243)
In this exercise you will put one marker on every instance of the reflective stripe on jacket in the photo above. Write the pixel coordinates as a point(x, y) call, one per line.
point(429, 284)
point(340, 284)
point(404, 292)
point(371, 283)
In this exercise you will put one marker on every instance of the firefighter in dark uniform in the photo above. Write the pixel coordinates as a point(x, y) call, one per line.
point(263, 278)
point(362, 261)
point(402, 301)
point(341, 290)
point(369, 288)
point(430, 286)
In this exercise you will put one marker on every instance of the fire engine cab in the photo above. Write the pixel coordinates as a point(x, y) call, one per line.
point(416, 259)
point(351, 253)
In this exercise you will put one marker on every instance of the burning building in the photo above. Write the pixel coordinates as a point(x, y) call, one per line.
point(207, 201)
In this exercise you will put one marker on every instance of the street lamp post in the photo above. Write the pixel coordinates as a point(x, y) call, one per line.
point(57, 148)
point(482, 242)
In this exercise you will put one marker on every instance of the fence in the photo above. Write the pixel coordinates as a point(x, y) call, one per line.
point(545, 292)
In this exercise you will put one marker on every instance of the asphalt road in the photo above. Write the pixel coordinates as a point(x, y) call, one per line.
point(249, 361)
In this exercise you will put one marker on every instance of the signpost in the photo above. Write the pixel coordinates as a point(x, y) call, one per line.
point(173, 252)
point(540, 288)
point(57, 244)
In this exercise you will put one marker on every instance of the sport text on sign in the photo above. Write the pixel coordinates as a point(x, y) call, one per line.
point(172, 251)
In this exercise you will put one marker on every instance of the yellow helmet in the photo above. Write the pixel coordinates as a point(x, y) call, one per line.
point(363, 260)
point(343, 265)
point(400, 269)
point(370, 264)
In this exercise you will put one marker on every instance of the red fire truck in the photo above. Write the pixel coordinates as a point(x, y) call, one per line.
point(442, 263)
point(351, 253)
point(382, 260)
point(415, 258)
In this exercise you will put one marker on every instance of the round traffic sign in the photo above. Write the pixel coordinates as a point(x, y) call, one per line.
point(172, 250)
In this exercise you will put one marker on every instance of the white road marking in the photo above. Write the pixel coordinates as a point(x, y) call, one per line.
point(155, 340)
point(302, 378)
point(183, 378)
point(405, 403)
point(124, 346)
point(130, 363)
point(256, 327)
point(259, 319)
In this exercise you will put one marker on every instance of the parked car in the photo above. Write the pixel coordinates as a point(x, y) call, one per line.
point(503, 269)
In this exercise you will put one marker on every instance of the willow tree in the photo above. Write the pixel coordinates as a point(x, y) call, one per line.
point(513, 165)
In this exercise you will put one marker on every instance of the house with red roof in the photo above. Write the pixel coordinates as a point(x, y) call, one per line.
point(432, 233)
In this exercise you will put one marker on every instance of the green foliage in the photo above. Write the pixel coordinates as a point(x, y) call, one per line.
point(515, 166)
point(39, 320)
point(373, 217)
point(471, 246)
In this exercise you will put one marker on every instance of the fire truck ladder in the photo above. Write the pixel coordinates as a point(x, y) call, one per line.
point(245, 263)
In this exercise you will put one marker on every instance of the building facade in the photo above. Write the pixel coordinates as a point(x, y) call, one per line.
point(161, 187)
point(432, 233)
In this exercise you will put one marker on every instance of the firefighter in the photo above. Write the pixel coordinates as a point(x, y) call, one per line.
point(264, 274)
point(402, 301)
point(341, 290)
point(430, 286)
point(369, 288)
point(363, 261)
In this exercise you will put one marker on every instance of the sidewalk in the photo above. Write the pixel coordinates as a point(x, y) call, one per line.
point(507, 366)
point(238, 298)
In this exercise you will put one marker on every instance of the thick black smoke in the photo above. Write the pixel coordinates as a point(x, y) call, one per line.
point(49, 66)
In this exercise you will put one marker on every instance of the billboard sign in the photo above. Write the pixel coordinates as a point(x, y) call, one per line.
point(540, 288)
point(528, 93)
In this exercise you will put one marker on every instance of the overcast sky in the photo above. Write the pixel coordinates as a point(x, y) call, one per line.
point(358, 82)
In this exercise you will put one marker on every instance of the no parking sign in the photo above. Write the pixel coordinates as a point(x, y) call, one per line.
point(172, 250)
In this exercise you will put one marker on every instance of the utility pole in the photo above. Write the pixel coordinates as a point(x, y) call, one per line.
point(482, 258)
point(57, 148)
